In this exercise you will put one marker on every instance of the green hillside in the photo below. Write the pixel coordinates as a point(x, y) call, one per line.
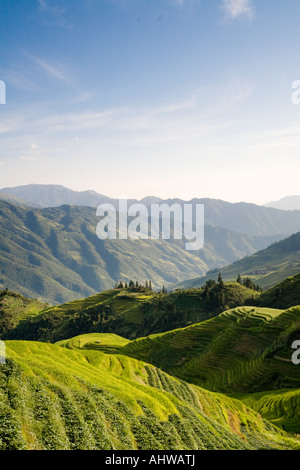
point(283, 295)
point(267, 267)
point(131, 312)
point(246, 349)
point(280, 406)
point(244, 352)
point(56, 398)
point(15, 308)
point(55, 255)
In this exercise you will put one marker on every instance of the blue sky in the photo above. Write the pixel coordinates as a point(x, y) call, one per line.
point(173, 98)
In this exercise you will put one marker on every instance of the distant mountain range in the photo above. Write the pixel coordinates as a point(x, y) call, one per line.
point(241, 217)
point(289, 203)
point(54, 254)
point(43, 195)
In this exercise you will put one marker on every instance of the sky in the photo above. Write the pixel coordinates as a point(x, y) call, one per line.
point(172, 98)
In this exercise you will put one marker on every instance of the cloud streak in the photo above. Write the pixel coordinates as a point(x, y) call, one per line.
point(49, 69)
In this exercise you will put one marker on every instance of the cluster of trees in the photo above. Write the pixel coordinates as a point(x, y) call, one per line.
point(214, 293)
point(136, 285)
point(217, 294)
point(248, 283)
point(131, 285)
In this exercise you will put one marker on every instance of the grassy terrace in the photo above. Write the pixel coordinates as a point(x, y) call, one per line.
point(96, 341)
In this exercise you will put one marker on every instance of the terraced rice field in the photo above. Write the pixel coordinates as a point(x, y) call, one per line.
point(107, 342)
point(244, 349)
point(281, 407)
point(57, 398)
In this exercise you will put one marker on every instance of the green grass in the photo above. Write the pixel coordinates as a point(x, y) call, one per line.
point(56, 398)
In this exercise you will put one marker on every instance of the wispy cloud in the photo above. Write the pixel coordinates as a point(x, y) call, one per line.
point(180, 118)
point(238, 9)
point(51, 70)
point(30, 76)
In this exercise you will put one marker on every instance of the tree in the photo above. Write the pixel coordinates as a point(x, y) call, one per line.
point(220, 281)
point(210, 283)
point(206, 292)
point(239, 279)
